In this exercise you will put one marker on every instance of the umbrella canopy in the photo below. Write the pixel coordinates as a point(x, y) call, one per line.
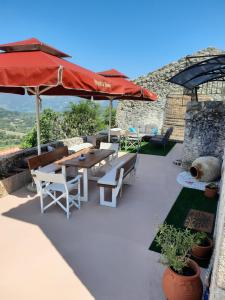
point(40, 69)
point(113, 73)
point(132, 91)
point(31, 64)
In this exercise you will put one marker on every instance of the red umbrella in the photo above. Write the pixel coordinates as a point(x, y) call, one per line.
point(40, 69)
point(132, 91)
point(31, 64)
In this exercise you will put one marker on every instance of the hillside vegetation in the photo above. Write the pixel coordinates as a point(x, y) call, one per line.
point(84, 118)
point(13, 126)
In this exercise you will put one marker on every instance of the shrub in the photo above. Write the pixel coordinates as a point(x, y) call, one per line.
point(82, 119)
point(200, 238)
point(175, 246)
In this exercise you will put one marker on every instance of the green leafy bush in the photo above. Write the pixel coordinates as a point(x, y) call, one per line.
point(84, 118)
point(175, 246)
point(30, 139)
point(200, 238)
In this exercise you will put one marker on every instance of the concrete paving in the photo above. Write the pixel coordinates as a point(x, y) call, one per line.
point(100, 252)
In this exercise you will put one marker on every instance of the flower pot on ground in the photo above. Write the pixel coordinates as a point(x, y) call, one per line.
point(181, 279)
point(211, 190)
point(202, 248)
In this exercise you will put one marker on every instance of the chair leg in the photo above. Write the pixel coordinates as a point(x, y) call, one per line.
point(78, 194)
point(41, 202)
point(67, 206)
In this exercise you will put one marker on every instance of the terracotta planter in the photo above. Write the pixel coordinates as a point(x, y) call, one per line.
point(210, 193)
point(179, 287)
point(202, 252)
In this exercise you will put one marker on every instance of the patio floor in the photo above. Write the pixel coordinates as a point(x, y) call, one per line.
point(100, 252)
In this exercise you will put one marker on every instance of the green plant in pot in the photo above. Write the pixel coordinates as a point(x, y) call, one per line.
point(181, 279)
point(211, 190)
point(202, 248)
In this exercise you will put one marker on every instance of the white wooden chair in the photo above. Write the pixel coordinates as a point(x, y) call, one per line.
point(105, 165)
point(110, 146)
point(56, 186)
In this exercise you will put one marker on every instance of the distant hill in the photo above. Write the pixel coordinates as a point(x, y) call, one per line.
point(13, 126)
point(27, 103)
point(16, 122)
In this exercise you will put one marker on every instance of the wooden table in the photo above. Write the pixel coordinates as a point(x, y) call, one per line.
point(89, 162)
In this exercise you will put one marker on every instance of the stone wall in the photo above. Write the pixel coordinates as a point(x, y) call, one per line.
point(135, 114)
point(14, 162)
point(174, 114)
point(130, 113)
point(204, 130)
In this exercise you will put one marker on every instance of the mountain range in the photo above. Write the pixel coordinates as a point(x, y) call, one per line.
point(26, 103)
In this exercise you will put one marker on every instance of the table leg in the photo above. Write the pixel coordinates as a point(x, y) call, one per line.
point(85, 186)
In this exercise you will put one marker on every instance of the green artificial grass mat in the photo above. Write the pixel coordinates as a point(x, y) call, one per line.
point(188, 199)
point(147, 148)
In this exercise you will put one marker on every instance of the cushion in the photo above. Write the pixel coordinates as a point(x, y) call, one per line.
point(132, 129)
point(154, 131)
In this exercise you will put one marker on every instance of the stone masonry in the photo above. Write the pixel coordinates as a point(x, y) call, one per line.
point(174, 114)
point(131, 113)
point(204, 130)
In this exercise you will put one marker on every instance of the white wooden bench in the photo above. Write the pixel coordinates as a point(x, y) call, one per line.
point(114, 178)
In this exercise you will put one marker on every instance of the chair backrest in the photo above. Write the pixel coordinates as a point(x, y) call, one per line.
point(168, 134)
point(110, 146)
point(47, 158)
point(49, 177)
point(115, 132)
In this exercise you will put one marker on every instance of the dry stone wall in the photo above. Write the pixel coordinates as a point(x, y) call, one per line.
point(204, 130)
point(131, 113)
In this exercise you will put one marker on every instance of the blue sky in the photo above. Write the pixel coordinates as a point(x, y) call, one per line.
point(135, 37)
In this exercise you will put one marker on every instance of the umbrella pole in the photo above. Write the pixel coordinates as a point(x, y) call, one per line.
point(37, 102)
point(110, 118)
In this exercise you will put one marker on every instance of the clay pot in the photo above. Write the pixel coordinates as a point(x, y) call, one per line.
point(179, 287)
point(206, 168)
point(202, 252)
point(210, 193)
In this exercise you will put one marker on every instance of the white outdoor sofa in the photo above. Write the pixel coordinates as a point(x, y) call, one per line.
point(76, 148)
point(114, 178)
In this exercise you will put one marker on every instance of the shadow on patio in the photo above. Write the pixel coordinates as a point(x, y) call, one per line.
point(107, 248)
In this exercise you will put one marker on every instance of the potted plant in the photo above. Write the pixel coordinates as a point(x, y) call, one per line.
point(211, 190)
point(181, 279)
point(202, 247)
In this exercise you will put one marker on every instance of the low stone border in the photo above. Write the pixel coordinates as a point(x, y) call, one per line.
point(14, 182)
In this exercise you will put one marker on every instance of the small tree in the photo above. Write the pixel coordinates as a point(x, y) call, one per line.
point(82, 119)
point(51, 129)
point(50, 124)
point(30, 139)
